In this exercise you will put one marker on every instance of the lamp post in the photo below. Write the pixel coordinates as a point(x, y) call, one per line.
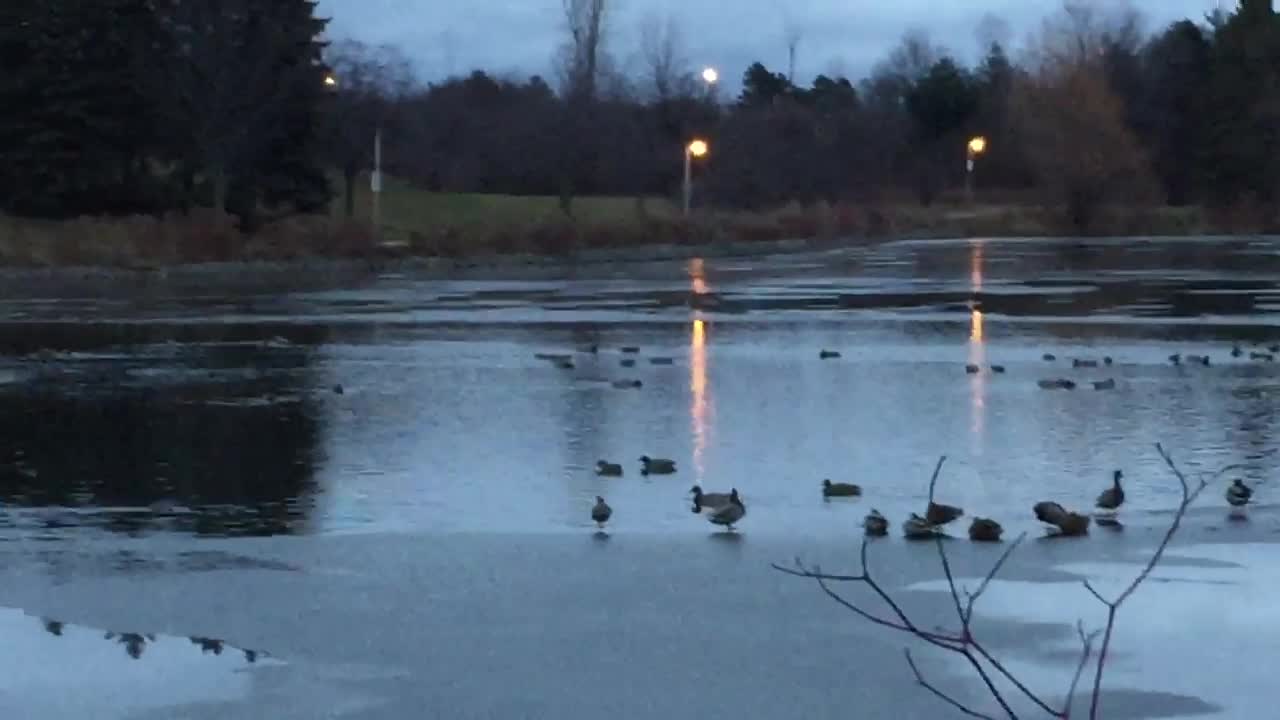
point(975, 147)
point(695, 149)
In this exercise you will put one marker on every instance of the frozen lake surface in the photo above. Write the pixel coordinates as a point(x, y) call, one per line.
point(179, 470)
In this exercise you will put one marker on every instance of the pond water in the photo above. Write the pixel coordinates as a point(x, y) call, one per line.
point(354, 443)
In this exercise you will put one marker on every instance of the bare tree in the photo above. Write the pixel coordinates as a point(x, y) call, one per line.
point(793, 34)
point(662, 54)
point(966, 644)
point(581, 59)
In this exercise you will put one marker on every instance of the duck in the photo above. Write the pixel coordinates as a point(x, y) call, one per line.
point(1176, 358)
point(707, 500)
point(553, 357)
point(875, 524)
point(939, 514)
point(338, 390)
point(1069, 524)
point(628, 362)
point(1108, 384)
point(1106, 360)
point(564, 364)
point(629, 349)
point(656, 466)
point(661, 361)
point(627, 384)
point(1267, 357)
point(729, 513)
point(608, 469)
point(972, 369)
point(1056, 384)
point(1113, 497)
point(830, 489)
point(1079, 363)
point(1236, 351)
point(997, 369)
point(601, 512)
point(828, 354)
point(1198, 360)
point(1049, 357)
point(1239, 494)
point(985, 530)
point(917, 528)
point(1274, 349)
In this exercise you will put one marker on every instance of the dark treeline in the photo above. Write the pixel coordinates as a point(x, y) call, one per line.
point(123, 106)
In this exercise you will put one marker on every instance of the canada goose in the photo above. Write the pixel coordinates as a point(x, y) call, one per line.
point(1069, 524)
point(729, 513)
point(1176, 358)
point(939, 514)
point(1113, 497)
point(1239, 494)
point(627, 384)
point(656, 466)
point(1056, 384)
point(1049, 357)
point(629, 349)
point(1262, 356)
point(827, 354)
point(1078, 363)
point(830, 489)
point(707, 500)
point(1236, 351)
point(917, 528)
point(875, 524)
point(608, 469)
point(553, 357)
point(1198, 360)
point(997, 369)
point(985, 530)
point(601, 512)
point(1108, 384)
point(972, 369)
point(628, 363)
point(661, 361)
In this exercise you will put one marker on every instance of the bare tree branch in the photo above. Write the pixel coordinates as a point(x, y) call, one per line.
point(941, 695)
point(1086, 642)
point(933, 480)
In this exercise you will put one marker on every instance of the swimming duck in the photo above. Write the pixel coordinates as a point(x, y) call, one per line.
point(1239, 494)
point(656, 466)
point(627, 384)
point(707, 500)
point(729, 513)
point(628, 363)
point(338, 390)
point(1198, 360)
point(997, 369)
point(1261, 356)
point(661, 361)
point(553, 357)
point(1108, 384)
point(972, 369)
point(830, 489)
point(1113, 497)
point(629, 349)
point(1049, 357)
point(1079, 363)
point(1056, 384)
point(1236, 351)
point(608, 469)
point(917, 528)
point(828, 354)
point(1274, 349)
point(1176, 358)
point(601, 512)
point(985, 530)
point(875, 524)
point(1106, 360)
point(939, 514)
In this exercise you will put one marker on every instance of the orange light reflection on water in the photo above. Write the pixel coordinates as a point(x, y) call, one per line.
point(977, 349)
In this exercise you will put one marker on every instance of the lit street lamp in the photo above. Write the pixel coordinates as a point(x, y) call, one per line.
point(330, 81)
point(695, 149)
point(975, 147)
point(710, 76)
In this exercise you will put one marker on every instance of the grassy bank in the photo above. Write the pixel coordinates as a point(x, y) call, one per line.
point(416, 223)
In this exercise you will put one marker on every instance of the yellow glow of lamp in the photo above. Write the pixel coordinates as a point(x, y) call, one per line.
point(698, 148)
point(330, 81)
point(977, 145)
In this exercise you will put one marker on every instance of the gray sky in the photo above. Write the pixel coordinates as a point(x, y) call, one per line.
point(445, 37)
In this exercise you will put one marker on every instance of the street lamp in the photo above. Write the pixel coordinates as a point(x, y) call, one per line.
point(330, 81)
point(710, 76)
point(695, 149)
point(975, 147)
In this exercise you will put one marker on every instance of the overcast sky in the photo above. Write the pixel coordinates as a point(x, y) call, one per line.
point(446, 37)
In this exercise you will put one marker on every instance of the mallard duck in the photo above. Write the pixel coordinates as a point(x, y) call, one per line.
point(1068, 523)
point(1176, 358)
point(707, 500)
point(985, 530)
point(1049, 357)
point(629, 349)
point(972, 369)
point(627, 384)
point(1239, 494)
point(830, 489)
point(601, 512)
point(1236, 351)
point(1056, 384)
point(997, 369)
point(608, 469)
point(828, 354)
point(939, 514)
point(1108, 384)
point(1198, 360)
point(1080, 363)
point(1106, 360)
point(628, 363)
point(656, 466)
point(917, 528)
point(875, 524)
point(1113, 497)
point(661, 361)
point(729, 513)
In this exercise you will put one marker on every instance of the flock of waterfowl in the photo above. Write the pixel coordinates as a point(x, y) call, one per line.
point(727, 509)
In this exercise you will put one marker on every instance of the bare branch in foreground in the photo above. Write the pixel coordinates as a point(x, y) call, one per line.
point(968, 646)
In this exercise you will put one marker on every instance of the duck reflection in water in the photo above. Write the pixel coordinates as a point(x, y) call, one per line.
point(135, 644)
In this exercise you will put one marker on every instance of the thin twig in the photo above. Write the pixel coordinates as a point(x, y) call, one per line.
point(941, 695)
point(933, 481)
point(995, 569)
point(1086, 643)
